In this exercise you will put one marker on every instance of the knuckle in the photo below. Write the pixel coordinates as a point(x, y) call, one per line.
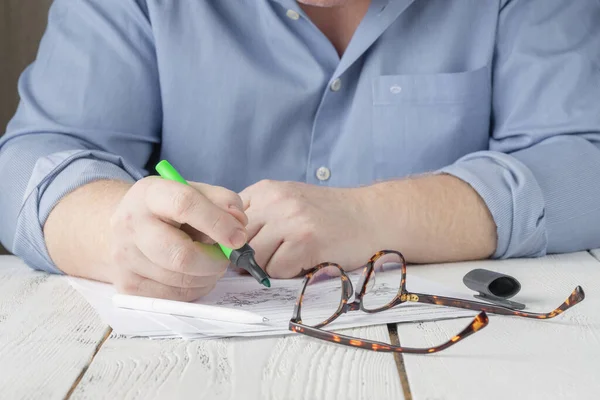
point(114, 222)
point(141, 188)
point(306, 236)
point(217, 222)
point(307, 232)
point(185, 294)
point(121, 220)
point(183, 202)
point(181, 257)
point(149, 180)
point(128, 284)
point(191, 295)
point(129, 287)
point(187, 281)
point(288, 191)
point(265, 184)
point(118, 254)
point(281, 194)
point(296, 207)
point(232, 198)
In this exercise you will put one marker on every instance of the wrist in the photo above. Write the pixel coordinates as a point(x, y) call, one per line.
point(430, 218)
point(77, 231)
point(384, 210)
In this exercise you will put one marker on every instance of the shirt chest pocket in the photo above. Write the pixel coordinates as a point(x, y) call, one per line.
point(424, 122)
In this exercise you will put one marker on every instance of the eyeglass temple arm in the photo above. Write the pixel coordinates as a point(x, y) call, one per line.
point(478, 323)
point(576, 297)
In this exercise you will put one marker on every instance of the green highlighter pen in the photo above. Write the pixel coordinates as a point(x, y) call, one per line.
point(242, 257)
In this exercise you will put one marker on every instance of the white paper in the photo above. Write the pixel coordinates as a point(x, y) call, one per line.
point(275, 303)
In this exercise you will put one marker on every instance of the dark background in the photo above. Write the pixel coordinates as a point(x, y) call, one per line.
point(22, 23)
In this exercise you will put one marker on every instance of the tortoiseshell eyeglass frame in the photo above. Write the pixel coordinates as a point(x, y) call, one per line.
point(478, 323)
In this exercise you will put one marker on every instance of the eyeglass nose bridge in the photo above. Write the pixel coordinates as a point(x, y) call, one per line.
point(349, 291)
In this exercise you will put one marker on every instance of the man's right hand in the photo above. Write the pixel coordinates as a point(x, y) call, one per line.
point(154, 238)
point(163, 234)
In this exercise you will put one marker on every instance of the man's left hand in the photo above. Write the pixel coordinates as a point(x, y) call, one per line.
point(294, 226)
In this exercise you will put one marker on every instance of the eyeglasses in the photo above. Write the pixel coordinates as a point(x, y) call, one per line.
point(326, 292)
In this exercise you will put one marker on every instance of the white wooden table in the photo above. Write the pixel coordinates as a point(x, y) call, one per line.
point(54, 346)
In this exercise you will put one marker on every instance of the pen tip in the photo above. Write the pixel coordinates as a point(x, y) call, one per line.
point(266, 282)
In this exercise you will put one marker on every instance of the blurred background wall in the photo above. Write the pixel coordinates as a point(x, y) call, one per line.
point(22, 23)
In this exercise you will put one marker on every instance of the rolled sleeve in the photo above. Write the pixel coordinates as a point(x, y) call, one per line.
point(90, 110)
point(54, 177)
point(541, 176)
point(513, 197)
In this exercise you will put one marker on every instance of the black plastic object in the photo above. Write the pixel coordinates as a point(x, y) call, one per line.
point(244, 258)
point(494, 287)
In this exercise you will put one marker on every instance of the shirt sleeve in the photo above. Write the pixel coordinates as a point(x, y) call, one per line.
point(90, 110)
point(541, 176)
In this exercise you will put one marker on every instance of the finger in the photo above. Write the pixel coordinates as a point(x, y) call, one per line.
point(244, 195)
point(288, 261)
point(147, 269)
point(219, 195)
point(224, 198)
point(247, 194)
point(253, 229)
point(195, 235)
point(265, 244)
point(129, 257)
point(134, 284)
point(186, 205)
point(172, 249)
point(256, 221)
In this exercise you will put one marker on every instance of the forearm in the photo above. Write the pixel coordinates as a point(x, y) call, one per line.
point(437, 218)
point(56, 142)
point(77, 231)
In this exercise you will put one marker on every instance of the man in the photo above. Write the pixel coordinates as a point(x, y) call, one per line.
point(320, 130)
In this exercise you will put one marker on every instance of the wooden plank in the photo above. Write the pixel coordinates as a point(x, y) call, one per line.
point(48, 333)
point(514, 357)
point(400, 362)
point(294, 367)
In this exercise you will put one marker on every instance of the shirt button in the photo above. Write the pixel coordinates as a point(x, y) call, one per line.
point(323, 173)
point(336, 85)
point(396, 89)
point(291, 14)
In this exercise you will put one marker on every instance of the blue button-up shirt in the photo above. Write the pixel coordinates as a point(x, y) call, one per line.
point(502, 94)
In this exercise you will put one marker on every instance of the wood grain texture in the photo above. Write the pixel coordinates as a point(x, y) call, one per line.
point(514, 357)
point(48, 333)
point(293, 367)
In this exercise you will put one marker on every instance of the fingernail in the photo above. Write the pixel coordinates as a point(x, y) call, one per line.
point(238, 239)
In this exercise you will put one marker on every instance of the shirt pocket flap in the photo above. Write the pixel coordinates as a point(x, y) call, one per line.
point(430, 88)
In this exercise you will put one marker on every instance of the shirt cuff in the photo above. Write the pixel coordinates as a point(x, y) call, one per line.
point(514, 198)
point(54, 177)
